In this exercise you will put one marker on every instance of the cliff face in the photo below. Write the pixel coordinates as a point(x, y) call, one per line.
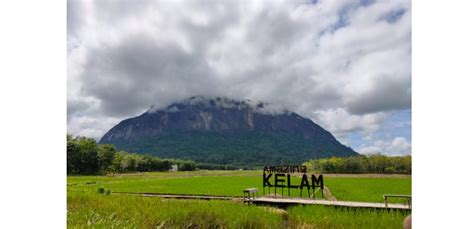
point(224, 131)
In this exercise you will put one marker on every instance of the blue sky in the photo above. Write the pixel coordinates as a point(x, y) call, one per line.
point(396, 126)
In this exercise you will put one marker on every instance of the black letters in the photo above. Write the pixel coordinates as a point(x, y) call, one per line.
point(277, 181)
point(266, 180)
point(317, 182)
point(280, 181)
point(304, 181)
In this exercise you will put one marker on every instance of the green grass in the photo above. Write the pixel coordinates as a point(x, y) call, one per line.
point(332, 217)
point(124, 211)
point(203, 183)
point(231, 183)
point(87, 208)
point(222, 183)
point(368, 189)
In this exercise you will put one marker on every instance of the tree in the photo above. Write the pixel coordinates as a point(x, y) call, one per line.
point(73, 156)
point(186, 165)
point(89, 163)
point(117, 162)
point(105, 154)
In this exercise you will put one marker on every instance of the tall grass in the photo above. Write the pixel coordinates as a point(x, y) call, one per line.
point(332, 217)
point(114, 211)
point(126, 211)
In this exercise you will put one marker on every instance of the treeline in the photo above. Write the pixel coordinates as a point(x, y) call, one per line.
point(85, 156)
point(362, 164)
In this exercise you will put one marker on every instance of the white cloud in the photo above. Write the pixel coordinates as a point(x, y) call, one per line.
point(395, 146)
point(90, 126)
point(340, 63)
point(339, 121)
point(369, 150)
point(400, 145)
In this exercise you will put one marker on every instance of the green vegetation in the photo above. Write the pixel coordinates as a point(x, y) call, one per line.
point(368, 189)
point(362, 164)
point(239, 149)
point(93, 201)
point(85, 156)
point(332, 217)
point(123, 211)
point(231, 183)
point(206, 185)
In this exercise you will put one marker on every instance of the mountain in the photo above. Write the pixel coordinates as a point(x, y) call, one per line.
point(225, 131)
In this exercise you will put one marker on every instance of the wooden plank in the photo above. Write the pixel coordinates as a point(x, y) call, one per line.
point(385, 198)
point(268, 200)
point(276, 201)
point(397, 195)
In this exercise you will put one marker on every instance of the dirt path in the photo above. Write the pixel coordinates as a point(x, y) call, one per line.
point(328, 194)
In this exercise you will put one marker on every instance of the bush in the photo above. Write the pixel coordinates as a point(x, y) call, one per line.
point(362, 164)
point(184, 165)
point(101, 190)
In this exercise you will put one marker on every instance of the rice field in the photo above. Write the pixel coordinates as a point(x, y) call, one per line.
point(87, 208)
point(368, 189)
point(231, 183)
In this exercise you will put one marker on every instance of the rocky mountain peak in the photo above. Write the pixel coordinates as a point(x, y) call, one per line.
point(222, 130)
point(222, 102)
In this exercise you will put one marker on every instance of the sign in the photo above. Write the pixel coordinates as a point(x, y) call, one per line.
point(280, 177)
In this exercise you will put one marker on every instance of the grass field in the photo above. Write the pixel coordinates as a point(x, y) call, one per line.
point(88, 208)
point(331, 217)
point(231, 183)
point(122, 211)
point(368, 189)
point(125, 211)
point(180, 183)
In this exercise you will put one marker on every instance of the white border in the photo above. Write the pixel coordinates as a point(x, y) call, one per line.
point(443, 114)
point(33, 114)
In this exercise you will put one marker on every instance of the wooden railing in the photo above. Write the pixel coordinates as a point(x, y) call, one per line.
point(385, 198)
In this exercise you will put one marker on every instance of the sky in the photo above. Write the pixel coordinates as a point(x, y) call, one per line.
point(344, 64)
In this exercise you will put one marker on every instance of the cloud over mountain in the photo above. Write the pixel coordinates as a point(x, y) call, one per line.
point(344, 64)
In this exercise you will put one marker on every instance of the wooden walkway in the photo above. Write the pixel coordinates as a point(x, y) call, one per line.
point(295, 201)
point(279, 201)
